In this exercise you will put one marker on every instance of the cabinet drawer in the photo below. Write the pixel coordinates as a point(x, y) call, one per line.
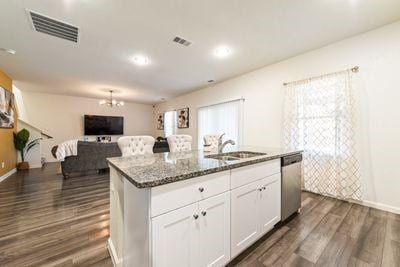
point(251, 173)
point(175, 195)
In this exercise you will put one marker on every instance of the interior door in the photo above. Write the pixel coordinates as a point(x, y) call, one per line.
point(175, 238)
point(244, 216)
point(269, 203)
point(215, 230)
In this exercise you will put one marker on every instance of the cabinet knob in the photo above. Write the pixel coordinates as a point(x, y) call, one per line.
point(264, 188)
point(201, 189)
point(195, 216)
point(260, 189)
point(204, 213)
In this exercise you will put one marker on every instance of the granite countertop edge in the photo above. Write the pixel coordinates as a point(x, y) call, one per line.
point(177, 178)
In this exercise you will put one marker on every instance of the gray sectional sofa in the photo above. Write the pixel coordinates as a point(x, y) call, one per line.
point(92, 156)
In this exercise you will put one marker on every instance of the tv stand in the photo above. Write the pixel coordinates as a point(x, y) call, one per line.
point(103, 139)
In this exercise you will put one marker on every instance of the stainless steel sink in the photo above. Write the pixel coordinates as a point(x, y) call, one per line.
point(221, 157)
point(229, 156)
point(244, 154)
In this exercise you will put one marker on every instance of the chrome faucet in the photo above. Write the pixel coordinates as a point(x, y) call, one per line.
point(222, 145)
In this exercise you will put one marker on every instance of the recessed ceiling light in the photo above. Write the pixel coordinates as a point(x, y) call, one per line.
point(222, 51)
point(141, 60)
point(10, 51)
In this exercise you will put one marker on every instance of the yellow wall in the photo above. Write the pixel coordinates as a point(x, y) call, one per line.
point(7, 152)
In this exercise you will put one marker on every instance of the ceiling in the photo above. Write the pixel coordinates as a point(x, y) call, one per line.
point(112, 32)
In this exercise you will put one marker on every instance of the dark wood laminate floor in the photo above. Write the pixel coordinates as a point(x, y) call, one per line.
point(329, 232)
point(48, 221)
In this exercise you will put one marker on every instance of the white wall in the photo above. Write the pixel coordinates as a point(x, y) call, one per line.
point(377, 84)
point(34, 154)
point(62, 116)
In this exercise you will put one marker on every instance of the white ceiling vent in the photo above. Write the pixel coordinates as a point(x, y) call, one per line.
point(182, 41)
point(54, 27)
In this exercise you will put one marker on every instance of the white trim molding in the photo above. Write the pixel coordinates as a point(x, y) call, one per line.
point(222, 102)
point(367, 203)
point(35, 166)
point(8, 174)
point(379, 206)
point(114, 258)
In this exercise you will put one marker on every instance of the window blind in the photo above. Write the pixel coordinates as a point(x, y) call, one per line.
point(169, 123)
point(221, 118)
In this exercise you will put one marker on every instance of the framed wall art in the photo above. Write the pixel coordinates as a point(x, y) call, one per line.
point(160, 121)
point(183, 118)
point(6, 109)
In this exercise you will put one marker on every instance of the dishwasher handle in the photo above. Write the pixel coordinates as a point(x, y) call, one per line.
point(288, 160)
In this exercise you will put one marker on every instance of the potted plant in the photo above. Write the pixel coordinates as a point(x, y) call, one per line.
point(23, 145)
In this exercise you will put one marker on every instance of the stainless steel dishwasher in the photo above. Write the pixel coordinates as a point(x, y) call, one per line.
point(291, 185)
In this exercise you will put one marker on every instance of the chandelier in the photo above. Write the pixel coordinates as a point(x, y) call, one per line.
point(111, 102)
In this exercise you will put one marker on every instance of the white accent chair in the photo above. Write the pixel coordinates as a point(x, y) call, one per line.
point(136, 145)
point(179, 143)
point(212, 140)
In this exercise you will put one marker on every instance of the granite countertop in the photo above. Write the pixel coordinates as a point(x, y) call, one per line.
point(162, 168)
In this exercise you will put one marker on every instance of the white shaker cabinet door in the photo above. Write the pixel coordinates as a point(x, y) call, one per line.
point(215, 230)
point(270, 203)
point(244, 217)
point(175, 238)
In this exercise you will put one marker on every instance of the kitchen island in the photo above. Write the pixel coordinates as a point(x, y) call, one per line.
point(192, 208)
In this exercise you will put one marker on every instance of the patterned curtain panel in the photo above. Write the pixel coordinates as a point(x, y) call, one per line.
point(319, 118)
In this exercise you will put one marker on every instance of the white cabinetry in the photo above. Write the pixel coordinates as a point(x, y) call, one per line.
point(176, 237)
point(244, 216)
point(116, 216)
point(215, 230)
point(175, 195)
point(195, 235)
point(255, 209)
point(204, 221)
point(269, 203)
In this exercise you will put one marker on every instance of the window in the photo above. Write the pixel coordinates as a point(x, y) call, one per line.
point(221, 118)
point(318, 113)
point(169, 123)
point(320, 119)
point(318, 116)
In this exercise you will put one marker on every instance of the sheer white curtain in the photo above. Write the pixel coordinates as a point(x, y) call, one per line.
point(221, 118)
point(170, 123)
point(319, 118)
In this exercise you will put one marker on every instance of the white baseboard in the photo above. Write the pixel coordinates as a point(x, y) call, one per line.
point(111, 249)
point(378, 206)
point(34, 166)
point(8, 174)
point(368, 203)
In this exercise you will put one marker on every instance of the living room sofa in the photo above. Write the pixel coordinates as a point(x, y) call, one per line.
point(92, 156)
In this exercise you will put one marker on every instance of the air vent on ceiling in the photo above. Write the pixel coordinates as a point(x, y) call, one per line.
point(182, 41)
point(54, 27)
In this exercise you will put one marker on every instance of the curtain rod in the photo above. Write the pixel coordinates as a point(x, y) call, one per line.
point(355, 69)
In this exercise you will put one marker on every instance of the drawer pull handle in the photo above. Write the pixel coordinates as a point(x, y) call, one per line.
point(195, 216)
point(201, 189)
point(204, 213)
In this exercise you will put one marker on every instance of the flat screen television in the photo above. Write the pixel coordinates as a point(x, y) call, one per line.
point(103, 125)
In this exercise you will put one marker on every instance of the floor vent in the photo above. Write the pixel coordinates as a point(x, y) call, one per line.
point(54, 27)
point(182, 41)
